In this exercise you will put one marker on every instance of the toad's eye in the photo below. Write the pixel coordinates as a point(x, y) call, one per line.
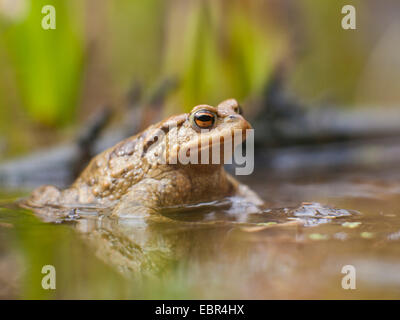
point(204, 119)
point(238, 109)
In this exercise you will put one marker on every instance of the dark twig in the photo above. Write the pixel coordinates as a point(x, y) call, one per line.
point(88, 137)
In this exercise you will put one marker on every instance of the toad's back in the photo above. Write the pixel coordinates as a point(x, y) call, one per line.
point(126, 178)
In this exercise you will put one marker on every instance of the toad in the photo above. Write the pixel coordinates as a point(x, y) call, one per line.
point(159, 167)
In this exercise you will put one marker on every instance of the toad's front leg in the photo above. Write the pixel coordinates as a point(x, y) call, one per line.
point(146, 198)
point(141, 201)
point(244, 191)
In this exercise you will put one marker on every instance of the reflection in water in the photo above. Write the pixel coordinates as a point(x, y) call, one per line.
point(136, 246)
point(225, 249)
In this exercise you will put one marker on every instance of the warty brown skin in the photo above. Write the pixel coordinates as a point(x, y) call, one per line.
point(125, 179)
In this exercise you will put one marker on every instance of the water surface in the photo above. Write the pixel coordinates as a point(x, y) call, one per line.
point(296, 247)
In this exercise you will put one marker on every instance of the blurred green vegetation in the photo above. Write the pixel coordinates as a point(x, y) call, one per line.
point(47, 64)
point(51, 80)
point(333, 58)
point(226, 50)
point(134, 41)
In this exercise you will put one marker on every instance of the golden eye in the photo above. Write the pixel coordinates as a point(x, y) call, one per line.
point(204, 119)
point(238, 109)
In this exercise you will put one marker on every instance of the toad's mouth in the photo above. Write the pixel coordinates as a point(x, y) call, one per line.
point(212, 147)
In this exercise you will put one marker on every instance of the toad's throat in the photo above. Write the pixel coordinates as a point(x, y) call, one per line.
point(207, 148)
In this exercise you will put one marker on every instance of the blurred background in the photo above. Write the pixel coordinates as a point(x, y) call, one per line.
point(110, 53)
